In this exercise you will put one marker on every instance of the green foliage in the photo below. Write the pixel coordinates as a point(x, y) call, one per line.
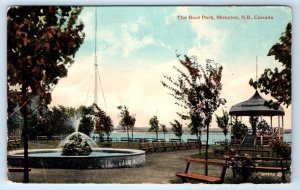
point(87, 123)
point(104, 124)
point(177, 128)
point(253, 120)
point(42, 42)
point(243, 167)
point(239, 130)
point(58, 120)
point(223, 122)
point(264, 128)
point(76, 145)
point(163, 128)
point(198, 92)
point(153, 122)
point(13, 122)
point(275, 82)
point(127, 120)
point(281, 148)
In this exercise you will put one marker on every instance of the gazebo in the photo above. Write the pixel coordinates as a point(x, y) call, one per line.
point(255, 106)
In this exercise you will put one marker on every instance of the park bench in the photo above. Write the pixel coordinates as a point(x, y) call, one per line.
point(263, 153)
point(159, 146)
point(171, 145)
point(16, 169)
point(145, 147)
point(14, 143)
point(151, 146)
point(193, 143)
point(201, 177)
point(267, 164)
point(41, 138)
point(179, 144)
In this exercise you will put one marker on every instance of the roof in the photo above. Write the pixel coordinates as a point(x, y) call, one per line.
point(255, 106)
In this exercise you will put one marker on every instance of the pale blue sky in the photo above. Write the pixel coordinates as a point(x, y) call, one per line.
point(136, 46)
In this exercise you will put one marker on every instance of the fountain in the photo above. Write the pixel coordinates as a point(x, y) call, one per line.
point(78, 151)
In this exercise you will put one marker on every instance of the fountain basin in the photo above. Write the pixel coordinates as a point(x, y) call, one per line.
point(100, 158)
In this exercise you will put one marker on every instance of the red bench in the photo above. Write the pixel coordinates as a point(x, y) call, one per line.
point(201, 177)
point(16, 169)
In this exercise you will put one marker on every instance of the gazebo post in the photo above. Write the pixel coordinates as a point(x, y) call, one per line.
point(271, 121)
point(282, 127)
point(279, 126)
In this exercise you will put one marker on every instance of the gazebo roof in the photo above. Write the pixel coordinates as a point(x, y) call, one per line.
point(255, 106)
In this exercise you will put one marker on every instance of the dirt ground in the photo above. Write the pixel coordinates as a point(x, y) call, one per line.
point(160, 168)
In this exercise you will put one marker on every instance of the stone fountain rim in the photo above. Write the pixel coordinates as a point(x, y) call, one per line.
point(132, 152)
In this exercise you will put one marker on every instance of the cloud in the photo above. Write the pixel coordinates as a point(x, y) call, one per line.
point(209, 41)
point(179, 11)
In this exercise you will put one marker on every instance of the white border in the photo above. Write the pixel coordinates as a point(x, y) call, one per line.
point(295, 5)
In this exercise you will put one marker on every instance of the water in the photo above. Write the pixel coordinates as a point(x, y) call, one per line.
point(213, 136)
point(58, 154)
point(90, 141)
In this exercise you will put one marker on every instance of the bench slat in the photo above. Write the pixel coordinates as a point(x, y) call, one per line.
point(202, 161)
point(17, 169)
point(199, 177)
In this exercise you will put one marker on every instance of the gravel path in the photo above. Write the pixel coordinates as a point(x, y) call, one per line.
point(159, 168)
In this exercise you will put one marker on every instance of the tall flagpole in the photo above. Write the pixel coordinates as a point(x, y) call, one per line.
point(96, 65)
point(256, 68)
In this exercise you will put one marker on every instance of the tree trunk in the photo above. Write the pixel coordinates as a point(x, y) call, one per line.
point(206, 150)
point(127, 135)
point(156, 135)
point(24, 111)
point(132, 133)
point(199, 143)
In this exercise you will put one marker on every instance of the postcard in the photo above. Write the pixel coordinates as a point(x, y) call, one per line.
point(149, 94)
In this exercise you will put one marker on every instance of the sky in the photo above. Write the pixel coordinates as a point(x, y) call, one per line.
point(136, 46)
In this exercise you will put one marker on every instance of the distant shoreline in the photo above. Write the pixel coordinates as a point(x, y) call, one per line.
point(186, 130)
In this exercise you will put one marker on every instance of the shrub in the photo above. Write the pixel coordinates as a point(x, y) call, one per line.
point(280, 148)
point(243, 167)
point(76, 145)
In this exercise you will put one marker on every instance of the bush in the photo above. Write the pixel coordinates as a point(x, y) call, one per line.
point(243, 167)
point(76, 145)
point(280, 148)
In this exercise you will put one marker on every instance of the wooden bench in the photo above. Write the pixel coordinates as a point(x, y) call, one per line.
point(182, 144)
point(171, 145)
point(254, 152)
point(16, 169)
point(201, 177)
point(159, 146)
point(145, 147)
point(193, 143)
point(14, 144)
point(266, 168)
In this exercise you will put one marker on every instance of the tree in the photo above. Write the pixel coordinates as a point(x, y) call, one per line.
point(274, 82)
point(41, 45)
point(153, 122)
point(223, 123)
point(104, 124)
point(253, 120)
point(239, 130)
point(198, 92)
point(164, 129)
point(127, 121)
point(177, 128)
point(59, 120)
point(264, 128)
point(87, 123)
